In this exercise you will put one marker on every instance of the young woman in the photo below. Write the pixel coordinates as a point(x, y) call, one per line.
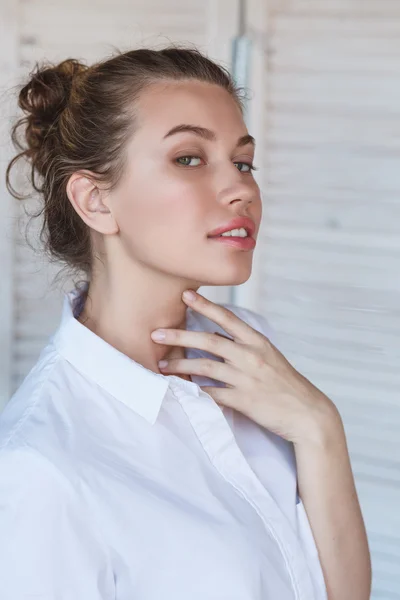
point(221, 474)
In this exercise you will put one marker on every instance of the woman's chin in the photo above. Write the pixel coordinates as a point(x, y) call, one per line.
point(229, 276)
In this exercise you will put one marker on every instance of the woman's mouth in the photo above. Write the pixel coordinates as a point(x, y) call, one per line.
point(242, 243)
point(238, 233)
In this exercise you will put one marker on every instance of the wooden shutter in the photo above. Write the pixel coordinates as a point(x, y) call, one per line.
point(331, 235)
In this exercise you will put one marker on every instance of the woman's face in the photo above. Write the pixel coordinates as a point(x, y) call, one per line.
point(179, 186)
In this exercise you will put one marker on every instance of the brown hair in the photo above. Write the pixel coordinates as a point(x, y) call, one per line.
point(81, 117)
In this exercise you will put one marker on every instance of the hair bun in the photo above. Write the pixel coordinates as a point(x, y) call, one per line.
point(44, 98)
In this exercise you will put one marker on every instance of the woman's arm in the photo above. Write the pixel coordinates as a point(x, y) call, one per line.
point(327, 490)
point(264, 386)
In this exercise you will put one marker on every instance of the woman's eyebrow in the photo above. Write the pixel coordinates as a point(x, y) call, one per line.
point(207, 134)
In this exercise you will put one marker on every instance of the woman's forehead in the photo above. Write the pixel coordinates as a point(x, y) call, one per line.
point(165, 105)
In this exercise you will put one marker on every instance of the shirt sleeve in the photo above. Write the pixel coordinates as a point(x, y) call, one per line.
point(48, 546)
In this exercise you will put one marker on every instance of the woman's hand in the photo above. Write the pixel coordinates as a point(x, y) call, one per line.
point(260, 382)
point(263, 385)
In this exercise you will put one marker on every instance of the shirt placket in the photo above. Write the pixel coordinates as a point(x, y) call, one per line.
point(219, 443)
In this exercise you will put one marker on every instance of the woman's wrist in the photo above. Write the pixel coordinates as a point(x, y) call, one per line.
point(324, 430)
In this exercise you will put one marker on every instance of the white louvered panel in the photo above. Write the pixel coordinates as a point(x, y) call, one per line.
point(331, 234)
point(92, 29)
point(336, 8)
point(8, 69)
point(88, 30)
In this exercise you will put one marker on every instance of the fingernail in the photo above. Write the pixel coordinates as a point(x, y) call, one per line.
point(158, 335)
point(189, 295)
point(162, 363)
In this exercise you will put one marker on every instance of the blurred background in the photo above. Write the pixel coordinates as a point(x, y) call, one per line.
point(324, 108)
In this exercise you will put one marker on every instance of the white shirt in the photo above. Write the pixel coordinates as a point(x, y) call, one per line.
point(118, 483)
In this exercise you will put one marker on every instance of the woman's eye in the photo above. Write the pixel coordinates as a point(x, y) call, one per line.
point(195, 161)
point(189, 161)
point(247, 167)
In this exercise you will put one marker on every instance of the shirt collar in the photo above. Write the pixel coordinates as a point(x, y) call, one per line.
point(127, 380)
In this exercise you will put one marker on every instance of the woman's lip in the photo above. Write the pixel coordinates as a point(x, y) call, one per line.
point(237, 222)
point(246, 243)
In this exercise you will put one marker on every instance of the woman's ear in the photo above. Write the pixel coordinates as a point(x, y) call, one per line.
point(91, 203)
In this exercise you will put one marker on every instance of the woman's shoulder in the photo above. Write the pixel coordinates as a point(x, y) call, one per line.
point(27, 399)
point(36, 439)
point(36, 425)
